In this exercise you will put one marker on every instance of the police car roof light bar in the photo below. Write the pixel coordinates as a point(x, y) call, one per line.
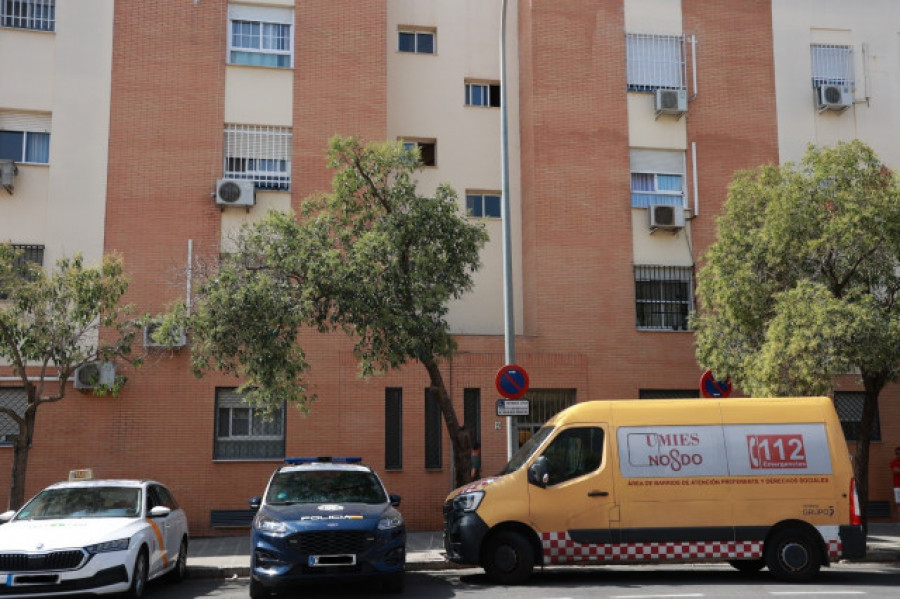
point(342, 460)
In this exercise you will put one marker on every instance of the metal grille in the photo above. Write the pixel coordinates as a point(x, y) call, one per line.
point(260, 154)
point(544, 403)
point(831, 65)
point(38, 15)
point(15, 399)
point(433, 440)
point(849, 406)
point(330, 542)
point(245, 432)
point(664, 297)
point(39, 562)
point(393, 428)
point(655, 61)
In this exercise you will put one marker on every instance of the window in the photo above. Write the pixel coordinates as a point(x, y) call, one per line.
point(483, 204)
point(29, 254)
point(260, 36)
point(15, 399)
point(655, 61)
point(244, 432)
point(472, 412)
point(831, 65)
point(38, 15)
point(259, 154)
point(433, 441)
point(573, 453)
point(657, 177)
point(664, 297)
point(427, 150)
point(849, 406)
point(25, 146)
point(393, 428)
point(483, 94)
point(416, 40)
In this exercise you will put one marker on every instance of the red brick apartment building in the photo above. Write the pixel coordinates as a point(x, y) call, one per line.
point(623, 114)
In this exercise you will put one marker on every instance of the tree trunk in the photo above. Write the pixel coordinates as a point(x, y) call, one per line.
point(20, 457)
point(873, 385)
point(459, 437)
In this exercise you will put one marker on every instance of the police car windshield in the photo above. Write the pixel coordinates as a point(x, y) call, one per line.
point(526, 451)
point(83, 502)
point(325, 486)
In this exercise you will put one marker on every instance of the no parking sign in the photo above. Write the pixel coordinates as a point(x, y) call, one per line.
point(712, 388)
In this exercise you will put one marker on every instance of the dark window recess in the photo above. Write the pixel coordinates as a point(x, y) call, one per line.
point(668, 393)
point(393, 428)
point(849, 406)
point(433, 457)
point(472, 412)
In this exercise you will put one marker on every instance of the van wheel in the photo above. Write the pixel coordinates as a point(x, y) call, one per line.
point(258, 590)
point(747, 566)
point(508, 558)
point(792, 556)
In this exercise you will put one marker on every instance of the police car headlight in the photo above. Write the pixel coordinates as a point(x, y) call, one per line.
point(106, 547)
point(468, 502)
point(266, 523)
point(390, 522)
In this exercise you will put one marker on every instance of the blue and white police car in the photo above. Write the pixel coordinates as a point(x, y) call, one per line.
point(325, 519)
point(92, 536)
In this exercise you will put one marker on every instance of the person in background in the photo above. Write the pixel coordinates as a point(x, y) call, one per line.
point(475, 474)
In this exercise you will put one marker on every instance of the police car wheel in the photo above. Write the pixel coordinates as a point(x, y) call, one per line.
point(394, 583)
point(509, 558)
point(258, 590)
point(793, 556)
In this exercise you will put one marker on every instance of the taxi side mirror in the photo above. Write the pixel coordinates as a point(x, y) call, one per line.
point(255, 502)
point(539, 472)
point(160, 511)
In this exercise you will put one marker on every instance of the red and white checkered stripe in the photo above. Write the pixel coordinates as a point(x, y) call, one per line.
point(560, 549)
point(834, 548)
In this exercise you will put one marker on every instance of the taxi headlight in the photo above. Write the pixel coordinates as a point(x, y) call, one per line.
point(107, 546)
point(389, 522)
point(268, 524)
point(468, 502)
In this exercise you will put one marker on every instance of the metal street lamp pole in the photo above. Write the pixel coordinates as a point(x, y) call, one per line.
point(508, 320)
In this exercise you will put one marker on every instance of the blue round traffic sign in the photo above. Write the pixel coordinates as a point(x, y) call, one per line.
point(511, 381)
point(712, 388)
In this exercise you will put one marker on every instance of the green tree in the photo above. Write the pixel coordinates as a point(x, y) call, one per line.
point(50, 324)
point(372, 259)
point(802, 283)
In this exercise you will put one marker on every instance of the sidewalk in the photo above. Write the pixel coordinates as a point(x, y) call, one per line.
point(229, 557)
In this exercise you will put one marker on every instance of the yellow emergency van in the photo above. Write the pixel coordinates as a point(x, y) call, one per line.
point(753, 482)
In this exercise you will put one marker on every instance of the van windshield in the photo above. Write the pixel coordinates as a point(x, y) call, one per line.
point(526, 451)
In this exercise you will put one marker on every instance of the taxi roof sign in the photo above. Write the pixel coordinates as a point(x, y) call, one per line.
point(81, 474)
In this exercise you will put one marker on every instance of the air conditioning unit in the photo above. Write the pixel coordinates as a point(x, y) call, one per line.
point(671, 101)
point(179, 341)
point(94, 374)
point(8, 172)
point(234, 192)
point(663, 216)
point(834, 97)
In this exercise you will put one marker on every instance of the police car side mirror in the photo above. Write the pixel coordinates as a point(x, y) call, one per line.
point(160, 511)
point(395, 500)
point(539, 472)
point(255, 502)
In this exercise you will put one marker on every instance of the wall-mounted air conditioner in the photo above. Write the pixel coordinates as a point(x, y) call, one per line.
point(94, 374)
point(235, 192)
point(178, 340)
point(833, 97)
point(671, 101)
point(8, 172)
point(663, 216)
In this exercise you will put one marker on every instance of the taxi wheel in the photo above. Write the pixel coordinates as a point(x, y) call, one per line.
point(179, 572)
point(792, 555)
point(258, 590)
point(138, 576)
point(509, 558)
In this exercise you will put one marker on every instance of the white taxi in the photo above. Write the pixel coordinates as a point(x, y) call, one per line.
point(92, 536)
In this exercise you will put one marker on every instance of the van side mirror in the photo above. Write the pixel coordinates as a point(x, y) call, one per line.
point(539, 472)
point(255, 502)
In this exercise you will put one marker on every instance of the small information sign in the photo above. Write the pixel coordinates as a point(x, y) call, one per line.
point(513, 407)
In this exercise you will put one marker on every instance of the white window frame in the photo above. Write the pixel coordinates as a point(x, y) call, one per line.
point(484, 91)
point(33, 15)
point(27, 138)
point(263, 17)
point(655, 62)
point(250, 149)
point(478, 197)
point(658, 163)
point(417, 33)
point(831, 64)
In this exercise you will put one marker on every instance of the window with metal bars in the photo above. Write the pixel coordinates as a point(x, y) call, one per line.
point(12, 398)
point(260, 154)
point(664, 297)
point(655, 61)
point(433, 439)
point(37, 15)
point(849, 406)
point(831, 65)
point(543, 404)
point(244, 432)
point(393, 428)
point(28, 254)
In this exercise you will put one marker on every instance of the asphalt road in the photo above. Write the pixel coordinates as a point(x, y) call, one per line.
point(605, 582)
